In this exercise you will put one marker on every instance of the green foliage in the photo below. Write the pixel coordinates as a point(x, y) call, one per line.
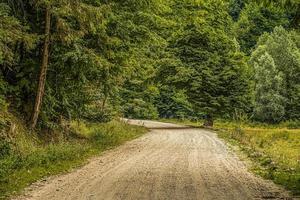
point(140, 109)
point(143, 59)
point(269, 103)
point(3, 89)
point(22, 166)
point(255, 19)
point(273, 148)
point(275, 152)
point(5, 148)
point(283, 49)
point(174, 103)
point(235, 8)
point(140, 59)
point(293, 8)
point(217, 78)
point(11, 32)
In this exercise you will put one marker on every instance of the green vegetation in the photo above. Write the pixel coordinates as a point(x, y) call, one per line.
point(92, 60)
point(274, 149)
point(282, 87)
point(27, 158)
point(276, 152)
point(64, 61)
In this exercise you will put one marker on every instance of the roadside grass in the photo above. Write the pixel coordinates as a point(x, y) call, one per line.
point(275, 152)
point(273, 149)
point(27, 157)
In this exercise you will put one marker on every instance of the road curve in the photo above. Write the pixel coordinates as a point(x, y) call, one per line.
point(170, 162)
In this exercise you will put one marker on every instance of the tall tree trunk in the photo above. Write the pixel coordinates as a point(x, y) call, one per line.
point(43, 72)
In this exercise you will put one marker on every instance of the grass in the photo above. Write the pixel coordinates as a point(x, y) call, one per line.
point(274, 149)
point(276, 153)
point(26, 158)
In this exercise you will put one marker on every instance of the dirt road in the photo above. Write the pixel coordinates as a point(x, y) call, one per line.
point(171, 162)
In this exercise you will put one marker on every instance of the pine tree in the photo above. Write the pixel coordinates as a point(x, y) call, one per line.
point(147, 34)
point(293, 8)
point(235, 8)
point(90, 59)
point(14, 40)
point(217, 76)
point(255, 19)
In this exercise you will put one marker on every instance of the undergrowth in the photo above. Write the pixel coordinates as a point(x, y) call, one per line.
point(27, 157)
point(275, 153)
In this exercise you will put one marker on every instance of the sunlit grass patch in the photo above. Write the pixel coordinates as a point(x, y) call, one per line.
point(28, 158)
point(276, 151)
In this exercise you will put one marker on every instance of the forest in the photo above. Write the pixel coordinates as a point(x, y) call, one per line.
point(93, 59)
point(64, 63)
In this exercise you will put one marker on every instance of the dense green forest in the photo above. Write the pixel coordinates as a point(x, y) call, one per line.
point(95, 59)
point(68, 65)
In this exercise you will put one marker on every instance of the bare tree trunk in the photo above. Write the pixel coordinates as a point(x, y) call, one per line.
point(43, 72)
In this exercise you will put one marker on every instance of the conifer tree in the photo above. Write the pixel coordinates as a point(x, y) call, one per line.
point(255, 19)
point(217, 78)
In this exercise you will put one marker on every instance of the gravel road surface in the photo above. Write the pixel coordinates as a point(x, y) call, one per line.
point(170, 162)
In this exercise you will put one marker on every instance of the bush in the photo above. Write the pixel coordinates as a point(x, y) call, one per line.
point(139, 109)
point(98, 116)
point(5, 148)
